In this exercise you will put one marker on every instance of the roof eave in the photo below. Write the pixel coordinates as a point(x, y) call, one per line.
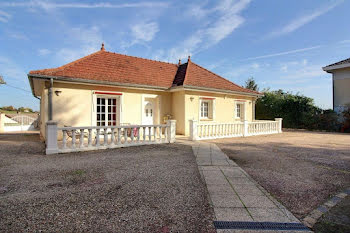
point(335, 67)
point(31, 85)
point(89, 81)
point(195, 88)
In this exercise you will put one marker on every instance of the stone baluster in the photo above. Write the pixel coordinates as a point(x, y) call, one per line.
point(125, 135)
point(81, 139)
point(132, 135)
point(90, 138)
point(64, 139)
point(105, 138)
point(73, 139)
point(119, 136)
point(150, 133)
point(97, 137)
point(112, 137)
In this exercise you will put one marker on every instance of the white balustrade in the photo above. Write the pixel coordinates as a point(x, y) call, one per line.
point(112, 136)
point(235, 129)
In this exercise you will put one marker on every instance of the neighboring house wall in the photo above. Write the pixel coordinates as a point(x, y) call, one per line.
point(341, 79)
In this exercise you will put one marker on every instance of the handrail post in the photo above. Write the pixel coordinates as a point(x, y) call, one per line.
point(51, 138)
point(171, 130)
point(279, 124)
point(193, 130)
point(245, 128)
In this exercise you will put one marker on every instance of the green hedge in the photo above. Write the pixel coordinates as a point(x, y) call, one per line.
point(297, 111)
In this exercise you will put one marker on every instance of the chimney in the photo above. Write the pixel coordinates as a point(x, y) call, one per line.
point(103, 47)
point(179, 62)
point(189, 58)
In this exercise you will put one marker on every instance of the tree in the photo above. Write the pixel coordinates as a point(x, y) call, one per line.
point(250, 84)
point(2, 81)
point(297, 111)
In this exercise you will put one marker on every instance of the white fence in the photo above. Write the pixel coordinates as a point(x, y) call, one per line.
point(104, 137)
point(227, 130)
point(17, 123)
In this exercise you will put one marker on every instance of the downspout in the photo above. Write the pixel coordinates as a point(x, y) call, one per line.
point(50, 99)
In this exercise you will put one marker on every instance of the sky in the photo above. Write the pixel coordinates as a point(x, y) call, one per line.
point(281, 44)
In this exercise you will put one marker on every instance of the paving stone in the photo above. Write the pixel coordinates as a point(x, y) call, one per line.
point(268, 215)
point(219, 162)
point(214, 179)
point(208, 168)
point(309, 222)
point(247, 189)
point(233, 172)
point(216, 170)
point(341, 195)
point(203, 162)
point(219, 189)
point(230, 200)
point(232, 214)
point(232, 163)
point(316, 214)
point(286, 212)
point(239, 180)
point(257, 201)
point(330, 204)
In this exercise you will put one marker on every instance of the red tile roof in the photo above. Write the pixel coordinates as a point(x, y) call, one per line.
point(118, 68)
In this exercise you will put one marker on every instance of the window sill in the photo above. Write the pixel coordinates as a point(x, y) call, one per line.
point(206, 119)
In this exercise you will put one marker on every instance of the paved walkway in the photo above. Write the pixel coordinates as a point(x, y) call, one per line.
point(234, 195)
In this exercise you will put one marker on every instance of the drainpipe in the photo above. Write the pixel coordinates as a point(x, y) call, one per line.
point(50, 99)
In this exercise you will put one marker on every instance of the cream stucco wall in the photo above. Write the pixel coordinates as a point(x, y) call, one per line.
point(75, 105)
point(341, 79)
point(223, 107)
point(178, 110)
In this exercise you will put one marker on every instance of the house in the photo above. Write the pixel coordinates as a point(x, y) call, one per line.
point(341, 84)
point(106, 88)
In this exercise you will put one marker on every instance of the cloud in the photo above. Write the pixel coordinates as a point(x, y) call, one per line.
point(54, 5)
point(81, 42)
point(44, 52)
point(302, 20)
point(344, 42)
point(141, 33)
point(282, 53)
point(12, 72)
point(286, 65)
point(4, 16)
point(223, 19)
point(144, 31)
point(17, 35)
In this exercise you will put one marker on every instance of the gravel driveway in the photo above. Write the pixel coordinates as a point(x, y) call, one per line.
point(301, 169)
point(154, 188)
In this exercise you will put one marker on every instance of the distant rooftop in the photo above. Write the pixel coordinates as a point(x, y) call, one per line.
point(338, 65)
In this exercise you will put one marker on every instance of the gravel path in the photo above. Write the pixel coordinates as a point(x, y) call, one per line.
point(137, 189)
point(301, 169)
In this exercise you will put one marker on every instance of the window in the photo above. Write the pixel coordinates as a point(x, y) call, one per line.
point(106, 111)
point(239, 110)
point(205, 109)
